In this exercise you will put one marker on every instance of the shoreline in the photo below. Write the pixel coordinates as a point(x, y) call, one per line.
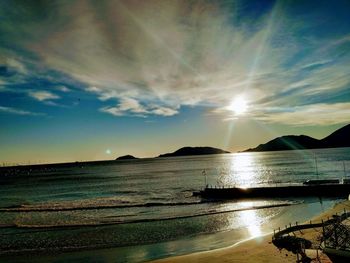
point(255, 249)
point(240, 242)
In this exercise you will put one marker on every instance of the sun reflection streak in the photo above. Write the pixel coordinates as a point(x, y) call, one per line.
point(243, 172)
point(249, 219)
point(252, 223)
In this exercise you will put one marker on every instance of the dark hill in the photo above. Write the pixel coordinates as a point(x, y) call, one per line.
point(185, 151)
point(339, 138)
point(126, 157)
point(289, 142)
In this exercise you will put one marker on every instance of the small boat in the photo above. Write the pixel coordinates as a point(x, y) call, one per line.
point(326, 181)
point(321, 181)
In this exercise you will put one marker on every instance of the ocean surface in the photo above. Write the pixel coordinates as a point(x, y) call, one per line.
point(138, 210)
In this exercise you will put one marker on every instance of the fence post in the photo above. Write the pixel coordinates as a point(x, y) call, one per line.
point(335, 235)
point(323, 233)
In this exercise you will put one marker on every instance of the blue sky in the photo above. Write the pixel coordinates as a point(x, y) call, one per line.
point(90, 80)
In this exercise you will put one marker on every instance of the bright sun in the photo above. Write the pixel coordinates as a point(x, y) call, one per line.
point(238, 105)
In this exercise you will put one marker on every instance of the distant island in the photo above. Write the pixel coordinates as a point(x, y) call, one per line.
point(186, 151)
point(339, 138)
point(126, 157)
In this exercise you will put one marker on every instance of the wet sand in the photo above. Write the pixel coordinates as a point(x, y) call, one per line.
point(259, 249)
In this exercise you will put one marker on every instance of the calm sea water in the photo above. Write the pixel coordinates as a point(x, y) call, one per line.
point(144, 209)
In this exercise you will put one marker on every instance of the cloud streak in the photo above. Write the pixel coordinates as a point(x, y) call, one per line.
point(43, 95)
point(128, 106)
point(145, 58)
point(316, 114)
point(19, 111)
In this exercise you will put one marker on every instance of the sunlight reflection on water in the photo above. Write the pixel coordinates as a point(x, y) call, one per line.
point(147, 191)
point(252, 222)
point(249, 219)
point(243, 173)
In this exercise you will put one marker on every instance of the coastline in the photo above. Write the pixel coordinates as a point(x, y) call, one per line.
point(257, 249)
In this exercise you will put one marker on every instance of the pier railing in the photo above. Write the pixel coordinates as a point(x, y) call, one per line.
point(335, 235)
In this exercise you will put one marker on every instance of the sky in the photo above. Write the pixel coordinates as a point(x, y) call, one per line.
point(93, 80)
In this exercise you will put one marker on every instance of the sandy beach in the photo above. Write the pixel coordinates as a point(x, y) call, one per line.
point(258, 249)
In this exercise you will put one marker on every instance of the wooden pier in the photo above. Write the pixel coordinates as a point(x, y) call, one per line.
point(319, 190)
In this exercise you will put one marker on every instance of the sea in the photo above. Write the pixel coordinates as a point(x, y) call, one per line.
point(144, 209)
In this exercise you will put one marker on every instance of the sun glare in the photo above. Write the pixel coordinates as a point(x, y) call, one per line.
point(238, 106)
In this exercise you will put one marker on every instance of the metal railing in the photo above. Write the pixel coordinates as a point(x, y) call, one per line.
point(335, 235)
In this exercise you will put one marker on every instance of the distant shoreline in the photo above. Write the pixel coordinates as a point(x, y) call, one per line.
point(207, 151)
point(114, 161)
point(337, 139)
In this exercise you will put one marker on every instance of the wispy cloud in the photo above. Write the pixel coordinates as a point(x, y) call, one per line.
point(315, 114)
point(129, 106)
point(126, 105)
point(317, 63)
point(16, 65)
point(164, 111)
point(152, 57)
point(63, 89)
point(19, 111)
point(43, 95)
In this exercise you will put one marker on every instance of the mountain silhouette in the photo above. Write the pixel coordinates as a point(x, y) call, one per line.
point(339, 138)
point(185, 151)
point(126, 157)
